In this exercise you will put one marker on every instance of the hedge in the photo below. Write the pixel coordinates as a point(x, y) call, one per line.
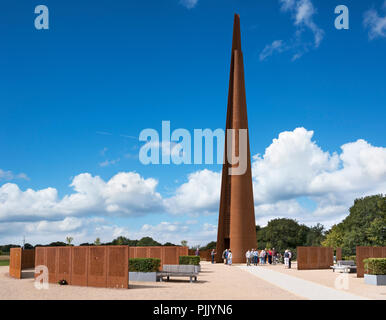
point(375, 266)
point(354, 258)
point(144, 264)
point(195, 260)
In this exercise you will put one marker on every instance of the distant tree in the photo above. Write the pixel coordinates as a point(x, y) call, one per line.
point(28, 246)
point(86, 244)
point(124, 241)
point(282, 234)
point(69, 240)
point(97, 242)
point(57, 244)
point(169, 244)
point(364, 226)
point(315, 235)
point(211, 245)
point(184, 243)
point(147, 242)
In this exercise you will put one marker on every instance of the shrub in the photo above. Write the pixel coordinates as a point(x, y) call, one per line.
point(195, 260)
point(375, 266)
point(144, 264)
point(354, 258)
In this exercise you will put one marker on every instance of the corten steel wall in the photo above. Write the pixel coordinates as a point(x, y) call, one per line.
point(314, 258)
point(338, 254)
point(15, 263)
point(27, 259)
point(205, 255)
point(236, 224)
point(93, 266)
point(367, 252)
point(168, 255)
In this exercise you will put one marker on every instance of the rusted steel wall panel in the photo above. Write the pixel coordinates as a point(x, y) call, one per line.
point(338, 254)
point(52, 263)
point(117, 267)
point(63, 257)
point(97, 267)
point(168, 255)
point(28, 259)
point(314, 258)
point(79, 265)
point(15, 263)
point(40, 257)
point(367, 252)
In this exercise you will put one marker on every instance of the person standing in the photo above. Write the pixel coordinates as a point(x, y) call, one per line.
point(255, 257)
point(197, 252)
point(229, 257)
point(269, 256)
point(286, 258)
point(213, 254)
point(289, 259)
point(224, 256)
point(262, 256)
point(248, 256)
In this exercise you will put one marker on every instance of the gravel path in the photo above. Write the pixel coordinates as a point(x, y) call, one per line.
point(215, 282)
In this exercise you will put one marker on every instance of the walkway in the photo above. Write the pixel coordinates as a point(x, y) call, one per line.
point(300, 287)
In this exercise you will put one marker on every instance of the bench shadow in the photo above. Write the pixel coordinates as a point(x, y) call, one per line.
point(143, 286)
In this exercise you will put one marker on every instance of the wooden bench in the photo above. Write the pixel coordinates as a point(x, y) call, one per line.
point(177, 270)
point(346, 266)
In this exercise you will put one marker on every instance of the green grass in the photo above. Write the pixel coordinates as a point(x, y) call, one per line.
point(4, 263)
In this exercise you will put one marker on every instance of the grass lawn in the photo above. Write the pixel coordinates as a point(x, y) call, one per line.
point(4, 263)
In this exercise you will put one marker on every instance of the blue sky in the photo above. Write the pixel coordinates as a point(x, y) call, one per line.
point(74, 98)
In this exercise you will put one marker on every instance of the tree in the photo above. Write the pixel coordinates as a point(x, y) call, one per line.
point(57, 244)
point(147, 242)
point(282, 234)
point(97, 242)
point(69, 240)
point(184, 243)
point(315, 235)
point(364, 226)
point(211, 245)
point(28, 246)
point(169, 244)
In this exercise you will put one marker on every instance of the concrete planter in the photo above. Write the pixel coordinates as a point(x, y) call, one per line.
point(143, 276)
point(375, 279)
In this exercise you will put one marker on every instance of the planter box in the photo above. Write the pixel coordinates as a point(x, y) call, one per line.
point(143, 276)
point(377, 280)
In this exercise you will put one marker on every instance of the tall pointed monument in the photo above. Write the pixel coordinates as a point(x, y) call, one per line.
point(236, 223)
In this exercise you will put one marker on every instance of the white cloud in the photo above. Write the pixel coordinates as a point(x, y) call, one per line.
point(302, 12)
point(9, 175)
point(375, 23)
point(200, 194)
point(189, 4)
point(275, 46)
point(126, 193)
point(107, 163)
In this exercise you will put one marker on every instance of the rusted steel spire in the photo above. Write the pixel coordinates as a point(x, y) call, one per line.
point(236, 225)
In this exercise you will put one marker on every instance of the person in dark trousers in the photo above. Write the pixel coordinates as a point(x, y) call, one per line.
point(289, 259)
point(213, 253)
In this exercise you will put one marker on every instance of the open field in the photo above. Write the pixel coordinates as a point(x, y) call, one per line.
point(4, 257)
point(4, 263)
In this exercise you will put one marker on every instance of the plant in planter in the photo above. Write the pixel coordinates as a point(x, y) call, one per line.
point(375, 271)
point(195, 260)
point(144, 269)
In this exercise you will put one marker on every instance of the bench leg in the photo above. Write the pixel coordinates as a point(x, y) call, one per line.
point(168, 278)
point(191, 279)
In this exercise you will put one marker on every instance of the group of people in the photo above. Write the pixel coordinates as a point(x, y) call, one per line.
point(256, 257)
point(265, 256)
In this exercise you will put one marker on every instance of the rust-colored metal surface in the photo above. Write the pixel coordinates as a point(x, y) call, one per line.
point(94, 266)
point(367, 252)
point(236, 224)
point(205, 255)
point(338, 254)
point(117, 267)
point(15, 263)
point(168, 255)
point(27, 259)
point(79, 266)
point(314, 258)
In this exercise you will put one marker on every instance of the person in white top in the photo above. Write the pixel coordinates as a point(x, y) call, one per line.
point(248, 256)
point(262, 256)
point(230, 257)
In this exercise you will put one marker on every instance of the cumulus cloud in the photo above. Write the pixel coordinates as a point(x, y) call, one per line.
point(375, 22)
point(126, 193)
point(302, 13)
point(189, 4)
point(200, 194)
